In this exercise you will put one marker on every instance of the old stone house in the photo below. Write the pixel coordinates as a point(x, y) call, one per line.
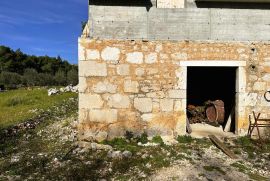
point(141, 62)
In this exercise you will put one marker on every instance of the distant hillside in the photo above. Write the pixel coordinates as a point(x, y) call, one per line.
point(19, 69)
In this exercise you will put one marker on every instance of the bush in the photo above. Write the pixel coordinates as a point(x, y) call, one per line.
point(158, 139)
point(184, 139)
point(10, 79)
point(31, 77)
point(143, 138)
point(72, 77)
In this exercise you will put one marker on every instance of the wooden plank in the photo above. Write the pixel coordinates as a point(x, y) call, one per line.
point(221, 146)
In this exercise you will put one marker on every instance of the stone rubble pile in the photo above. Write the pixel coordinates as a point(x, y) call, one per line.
point(69, 88)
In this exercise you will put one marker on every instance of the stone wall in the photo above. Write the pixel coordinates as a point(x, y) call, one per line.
point(140, 86)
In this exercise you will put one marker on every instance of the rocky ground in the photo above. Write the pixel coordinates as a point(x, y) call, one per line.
point(51, 151)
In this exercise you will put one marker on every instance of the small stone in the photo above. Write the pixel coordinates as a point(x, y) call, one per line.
point(151, 58)
point(115, 154)
point(135, 57)
point(139, 72)
point(131, 86)
point(179, 56)
point(101, 136)
point(259, 86)
point(92, 54)
point(123, 69)
point(127, 154)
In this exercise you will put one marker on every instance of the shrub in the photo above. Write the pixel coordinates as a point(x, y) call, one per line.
point(184, 139)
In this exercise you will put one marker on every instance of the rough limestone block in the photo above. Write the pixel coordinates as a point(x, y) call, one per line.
point(82, 84)
point(177, 105)
point(92, 54)
point(89, 101)
point(91, 68)
point(110, 54)
point(177, 94)
point(104, 87)
point(259, 86)
point(139, 72)
point(166, 105)
point(103, 115)
point(143, 105)
point(135, 57)
point(122, 69)
point(119, 101)
point(151, 58)
point(131, 86)
point(147, 117)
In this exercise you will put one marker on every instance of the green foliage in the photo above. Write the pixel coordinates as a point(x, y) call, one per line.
point(16, 100)
point(158, 139)
point(142, 138)
point(72, 76)
point(10, 79)
point(184, 139)
point(18, 68)
point(60, 78)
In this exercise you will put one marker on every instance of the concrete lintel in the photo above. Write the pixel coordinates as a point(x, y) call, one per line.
point(213, 63)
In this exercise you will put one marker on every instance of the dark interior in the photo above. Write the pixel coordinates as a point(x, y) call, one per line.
point(232, 5)
point(137, 3)
point(212, 83)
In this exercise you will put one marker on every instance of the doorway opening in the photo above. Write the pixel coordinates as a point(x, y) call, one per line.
point(207, 86)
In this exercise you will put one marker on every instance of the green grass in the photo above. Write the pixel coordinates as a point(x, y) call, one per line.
point(16, 106)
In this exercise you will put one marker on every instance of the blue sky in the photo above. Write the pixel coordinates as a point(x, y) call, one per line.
point(43, 27)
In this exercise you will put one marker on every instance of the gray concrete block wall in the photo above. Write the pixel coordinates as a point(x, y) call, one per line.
point(114, 22)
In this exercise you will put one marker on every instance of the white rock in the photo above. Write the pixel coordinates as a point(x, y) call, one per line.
point(92, 54)
point(52, 91)
point(135, 57)
point(127, 154)
point(110, 54)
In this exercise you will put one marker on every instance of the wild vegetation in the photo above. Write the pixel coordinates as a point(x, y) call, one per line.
point(20, 105)
point(19, 69)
